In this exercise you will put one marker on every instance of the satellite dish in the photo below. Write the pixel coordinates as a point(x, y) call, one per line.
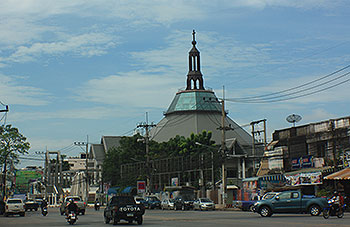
point(293, 118)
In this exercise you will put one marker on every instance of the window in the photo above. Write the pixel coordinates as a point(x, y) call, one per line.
point(284, 195)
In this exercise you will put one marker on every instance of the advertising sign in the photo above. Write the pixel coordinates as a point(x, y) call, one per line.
point(174, 181)
point(295, 163)
point(141, 186)
point(304, 179)
point(25, 177)
point(306, 161)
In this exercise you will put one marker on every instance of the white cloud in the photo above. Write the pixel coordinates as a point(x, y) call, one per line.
point(92, 113)
point(135, 89)
point(11, 92)
point(86, 45)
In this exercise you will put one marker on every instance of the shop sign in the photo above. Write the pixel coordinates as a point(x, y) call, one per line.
point(141, 186)
point(295, 163)
point(304, 179)
point(306, 161)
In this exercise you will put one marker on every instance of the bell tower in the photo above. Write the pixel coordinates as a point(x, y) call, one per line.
point(194, 76)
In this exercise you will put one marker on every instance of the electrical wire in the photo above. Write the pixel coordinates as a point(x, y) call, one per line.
point(300, 86)
point(278, 98)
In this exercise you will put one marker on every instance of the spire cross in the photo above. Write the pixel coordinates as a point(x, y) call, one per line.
point(194, 37)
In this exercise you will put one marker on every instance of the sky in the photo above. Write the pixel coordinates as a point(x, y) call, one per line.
point(77, 70)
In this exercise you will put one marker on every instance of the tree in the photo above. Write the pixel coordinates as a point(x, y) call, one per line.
point(132, 150)
point(12, 144)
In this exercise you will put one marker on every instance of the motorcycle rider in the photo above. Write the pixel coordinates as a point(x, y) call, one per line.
point(72, 207)
point(97, 204)
point(336, 201)
point(43, 205)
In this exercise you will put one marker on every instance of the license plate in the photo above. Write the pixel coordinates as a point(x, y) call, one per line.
point(130, 215)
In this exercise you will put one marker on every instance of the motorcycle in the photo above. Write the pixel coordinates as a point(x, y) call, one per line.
point(97, 206)
point(330, 210)
point(71, 218)
point(44, 211)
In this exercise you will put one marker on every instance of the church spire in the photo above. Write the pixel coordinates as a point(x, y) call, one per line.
point(194, 74)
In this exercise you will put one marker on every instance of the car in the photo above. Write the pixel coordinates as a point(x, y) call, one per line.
point(289, 202)
point(14, 206)
point(140, 200)
point(168, 204)
point(123, 208)
point(81, 205)
point(203, 204)
point(152, 202)
point(31, 204)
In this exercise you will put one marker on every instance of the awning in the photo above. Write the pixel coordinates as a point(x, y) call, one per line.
point(127, 189)
point(340, 175)
point(113, 190)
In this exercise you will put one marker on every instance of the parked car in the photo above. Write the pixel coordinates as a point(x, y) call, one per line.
point(81, 205)
point(123, 208)
point(203, 204)
point(152, 202)
point(289, 202)
point(14, 206)
point(168, 204)
point(31, 205)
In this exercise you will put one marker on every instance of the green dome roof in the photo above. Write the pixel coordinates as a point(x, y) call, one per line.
point(194, 100)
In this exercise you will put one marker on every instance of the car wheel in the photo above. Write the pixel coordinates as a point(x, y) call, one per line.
point(315, 210)
point(140, 220)
point(265, 211)
point(22, 214)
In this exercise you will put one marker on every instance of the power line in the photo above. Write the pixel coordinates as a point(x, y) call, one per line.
point(275, 97)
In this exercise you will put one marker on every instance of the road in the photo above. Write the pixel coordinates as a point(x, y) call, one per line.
point(179, 218)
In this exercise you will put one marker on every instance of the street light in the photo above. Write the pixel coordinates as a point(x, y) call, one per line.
point(212, 163)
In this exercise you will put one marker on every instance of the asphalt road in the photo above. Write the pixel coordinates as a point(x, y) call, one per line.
point(179, 218)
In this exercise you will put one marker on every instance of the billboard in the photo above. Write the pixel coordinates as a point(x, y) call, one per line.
point(25, 177)
point(141, 186)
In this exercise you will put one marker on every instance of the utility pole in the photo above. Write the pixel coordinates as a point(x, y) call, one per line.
point(223, 129)
point(254, 132)
point(147, 126)
point(86, 144)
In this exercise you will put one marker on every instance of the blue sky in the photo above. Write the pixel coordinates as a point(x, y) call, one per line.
point(69, 69)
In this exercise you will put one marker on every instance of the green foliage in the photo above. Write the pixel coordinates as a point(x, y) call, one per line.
point(132, 149)
point(325, 192)
point(12, 144)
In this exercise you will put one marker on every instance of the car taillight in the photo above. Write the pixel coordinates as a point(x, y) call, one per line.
point(84, 203)
point(75, 202)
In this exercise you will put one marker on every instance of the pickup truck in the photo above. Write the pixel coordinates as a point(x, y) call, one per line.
point(123, 208)
point(289, 202)
point(14, 206)
point(77, 200)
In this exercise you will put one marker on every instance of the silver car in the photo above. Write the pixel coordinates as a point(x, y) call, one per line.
point(168, 204)
point(203, 204)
